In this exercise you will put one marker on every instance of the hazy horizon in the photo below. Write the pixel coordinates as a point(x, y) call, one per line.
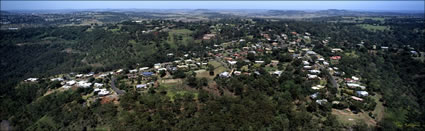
point(217, 5)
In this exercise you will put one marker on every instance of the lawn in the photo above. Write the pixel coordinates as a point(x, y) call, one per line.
point(218, 67)
point(373, 27)
point(173, 92)
point(348, 118)
point(379, 109)
point(183, 37)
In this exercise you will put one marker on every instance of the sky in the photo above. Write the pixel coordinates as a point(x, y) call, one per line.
point(283, 5)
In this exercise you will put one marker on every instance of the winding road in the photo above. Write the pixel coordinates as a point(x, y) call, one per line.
point(118, 91)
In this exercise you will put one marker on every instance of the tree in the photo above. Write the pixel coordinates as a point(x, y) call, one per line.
point(211, 69)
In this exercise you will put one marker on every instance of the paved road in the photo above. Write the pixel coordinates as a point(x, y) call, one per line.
point(330, 77)
point(118, 91)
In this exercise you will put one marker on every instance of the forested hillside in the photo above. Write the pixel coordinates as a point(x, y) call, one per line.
point(394, 77)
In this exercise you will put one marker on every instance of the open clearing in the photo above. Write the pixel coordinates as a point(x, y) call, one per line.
point(347, 118)
point(374, 27)
point(179, 36)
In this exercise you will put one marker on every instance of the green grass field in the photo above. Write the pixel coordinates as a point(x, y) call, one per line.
point(373, 27)
point(218, 67)
point(184, 34)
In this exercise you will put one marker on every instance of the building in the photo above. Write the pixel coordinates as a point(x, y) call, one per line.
point(277, 73)
point(84, 84)
point(147, 74)
point(224, 74)
point(362, 93)
point(98, 85)
point(309, 76)
point(141, 86)
point(336, 50)
point(101, 92)
point(31, 80)
point(70, 83)
point(335, 57)
point(322, 101)
point(317, 87)
point(314, 71)
point(356, 98)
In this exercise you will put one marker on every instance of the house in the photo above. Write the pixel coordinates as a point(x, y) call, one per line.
point(224, 74)
point(311, 53)
point(66, 86)
point(143, 68)
point(311, 76)
point(147, 74)
point(307, 67)
point(384, 48)
point(356, 98)
point(56, 79)
point(314, 96)
point(141, 86)
point(84, 84)
point(336, 50)
point(133, 71)
point(314, 71)
point(317, 87)
point(274, 62)
point(182, 66)
point(98, 85)
point(79, 75)
point(31, 80)
point(237, 73)
point(103, 75)
point(335, 57)
point(325, 63)
point(88, 75)
point(322, 101)
point(291, 51)
point(101, 92)
point(157, 65)
point(259, 62)
point(232, 62)
point(70, 83)
point(362, 93)
point(120, 70)
point(353, 85)
point(355, 78)
point(277, 73)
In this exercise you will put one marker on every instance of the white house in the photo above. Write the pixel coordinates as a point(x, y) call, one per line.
point(32, 79)
point(133, 71)
point(259, 62)
point(307, 67)
point(224, 74)
point(232, 62)
point(322, 101)
point(98, 85)
point(314, 71)
point(311, 76)
point(362, 93)
point(70, 83)
point(56, 79)
point(84, 84)
point(141, 86)
point(143, 68)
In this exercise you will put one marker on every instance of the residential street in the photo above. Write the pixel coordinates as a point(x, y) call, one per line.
point(118, 91)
